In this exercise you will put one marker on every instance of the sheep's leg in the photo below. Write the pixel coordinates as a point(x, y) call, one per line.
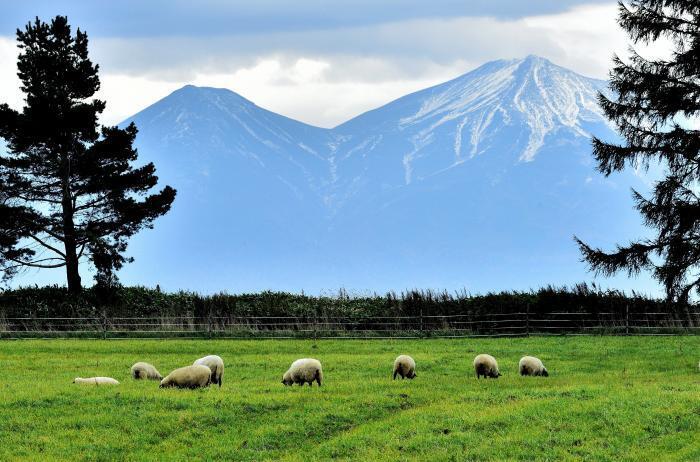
point(395, 372)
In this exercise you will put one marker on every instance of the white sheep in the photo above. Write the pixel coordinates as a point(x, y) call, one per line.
point(188, 377)
point(142, 370)
point(405, 366)
point(216, 364)
point(529, 365)
point(487, 366)
point(302, 371)
point(96, 381)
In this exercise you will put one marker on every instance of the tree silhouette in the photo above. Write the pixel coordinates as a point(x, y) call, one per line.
point(654, 100)
point(68, 189)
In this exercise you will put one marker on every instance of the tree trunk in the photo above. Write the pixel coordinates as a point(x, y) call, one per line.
point(72, 273)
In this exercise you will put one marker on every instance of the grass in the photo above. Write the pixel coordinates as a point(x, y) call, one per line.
point(607, 398)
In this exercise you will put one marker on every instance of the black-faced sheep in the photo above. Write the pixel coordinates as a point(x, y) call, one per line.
point(96, 381)
point(405, 366)
point(188, 377)
point(529, 365)
point(303, 371)
point(145, 371)
point(487, 366)
point(216, 364)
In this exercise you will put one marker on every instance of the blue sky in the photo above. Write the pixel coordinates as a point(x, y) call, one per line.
point(138, 18)
point(317, 61)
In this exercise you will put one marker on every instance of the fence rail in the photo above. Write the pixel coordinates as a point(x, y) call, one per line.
point(447, 326)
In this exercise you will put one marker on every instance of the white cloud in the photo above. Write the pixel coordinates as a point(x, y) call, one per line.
point(9, 82)
point(324, 77)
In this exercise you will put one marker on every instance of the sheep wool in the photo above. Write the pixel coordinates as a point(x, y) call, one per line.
point(529, 365)
point(405, 366)
point(96, 381)
point(486, 365)
point(216, 365)
point(196, 376)
point(142, 370)
point(306, 370)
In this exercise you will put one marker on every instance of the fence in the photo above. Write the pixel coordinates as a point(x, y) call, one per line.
point(516, 324)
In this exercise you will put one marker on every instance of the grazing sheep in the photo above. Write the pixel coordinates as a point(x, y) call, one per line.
point(487, 366)
point(216, 364)
point(145, 371)
point(96, 381)
point(529, 365)
point(302, 371)
point(405, 366)
point(188, 377)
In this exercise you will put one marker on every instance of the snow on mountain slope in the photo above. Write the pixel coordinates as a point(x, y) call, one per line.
point(525, 100)
point(209, 129)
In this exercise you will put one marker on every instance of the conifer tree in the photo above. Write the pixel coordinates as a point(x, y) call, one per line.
point(656, 103)
point(68, 186)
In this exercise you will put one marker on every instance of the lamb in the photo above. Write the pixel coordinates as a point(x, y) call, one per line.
point(145, 371)
point(302, 371)
point(487, 366)
point(404, 366)
point(188, 377)
point(529, 365)
point(96, 381)
point(216, 364)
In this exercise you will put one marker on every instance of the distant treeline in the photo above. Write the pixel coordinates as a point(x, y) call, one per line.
point(54, 301)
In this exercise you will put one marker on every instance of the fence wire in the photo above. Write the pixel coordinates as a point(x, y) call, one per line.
point(517, 324)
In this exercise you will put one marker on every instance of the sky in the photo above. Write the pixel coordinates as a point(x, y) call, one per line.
point(320, 62)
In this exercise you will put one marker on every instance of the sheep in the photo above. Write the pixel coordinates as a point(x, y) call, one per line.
point(188, 377)
point(487, 366)
point(145, 371)
point(216, 364)
point(302, 371)
point(529, 365)
point(405, 366)
point(96, 381)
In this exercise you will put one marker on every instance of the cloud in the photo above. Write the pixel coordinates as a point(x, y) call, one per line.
point(9, 82)
point(326, 75)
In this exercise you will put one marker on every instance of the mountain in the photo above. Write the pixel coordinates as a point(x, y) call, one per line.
point(479, 182)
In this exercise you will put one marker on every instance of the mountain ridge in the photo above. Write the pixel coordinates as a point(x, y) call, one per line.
point(478, 182)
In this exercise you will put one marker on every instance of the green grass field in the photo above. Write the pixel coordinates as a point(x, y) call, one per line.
point(607, 398)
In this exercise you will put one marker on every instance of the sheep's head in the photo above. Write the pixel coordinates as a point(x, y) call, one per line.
point(287, 379)
point(411, 374)
point(544, 372)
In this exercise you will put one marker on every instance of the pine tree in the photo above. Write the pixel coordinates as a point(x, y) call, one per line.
point(654, 101)
point(68, 189)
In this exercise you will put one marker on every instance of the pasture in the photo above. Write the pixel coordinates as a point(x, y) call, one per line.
point(607, 398)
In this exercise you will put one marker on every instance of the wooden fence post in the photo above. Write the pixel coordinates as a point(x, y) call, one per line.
point(104, 324)
point(422, 328)
point(209, 323)
point(527, 319)
point(627, 319)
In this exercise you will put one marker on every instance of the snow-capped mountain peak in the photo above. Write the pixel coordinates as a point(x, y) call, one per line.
point(531, 95)
point(511, 108)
